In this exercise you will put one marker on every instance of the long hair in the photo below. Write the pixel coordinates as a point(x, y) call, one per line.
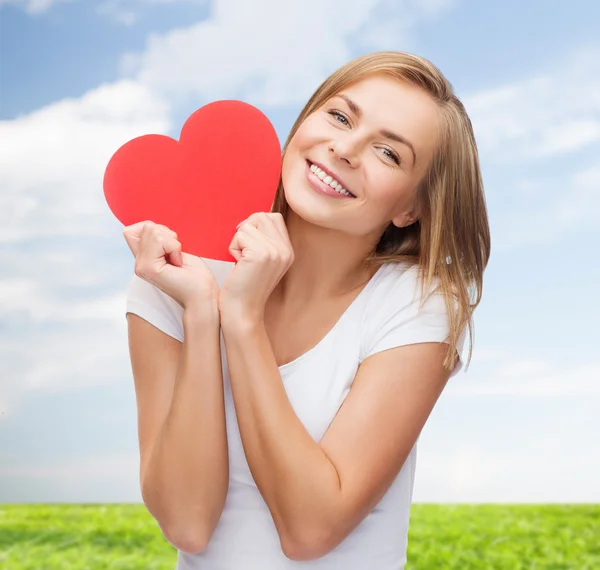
point(450, 241)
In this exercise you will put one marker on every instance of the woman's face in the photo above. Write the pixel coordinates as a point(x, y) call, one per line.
point(376, 138)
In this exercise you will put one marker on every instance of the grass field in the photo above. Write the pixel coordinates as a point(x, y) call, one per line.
point(453, 537)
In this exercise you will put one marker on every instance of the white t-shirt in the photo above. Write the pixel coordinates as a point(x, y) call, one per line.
point(385, 314)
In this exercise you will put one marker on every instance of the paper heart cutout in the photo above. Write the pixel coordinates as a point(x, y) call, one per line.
point(225, 166)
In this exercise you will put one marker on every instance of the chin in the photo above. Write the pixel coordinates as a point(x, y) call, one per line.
point(310, 210)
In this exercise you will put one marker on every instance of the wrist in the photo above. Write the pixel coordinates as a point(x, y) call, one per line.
point(240, 319)
point(202, 310)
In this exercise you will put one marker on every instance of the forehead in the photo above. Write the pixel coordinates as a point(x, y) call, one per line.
point(398, 106)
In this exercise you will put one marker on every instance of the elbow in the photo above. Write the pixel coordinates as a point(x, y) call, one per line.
point(189, 546)
point(191, 538)
point(309, 546)
point(186, 531)
point(190, 541)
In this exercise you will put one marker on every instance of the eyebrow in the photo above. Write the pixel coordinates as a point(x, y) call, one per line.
point(384, 132)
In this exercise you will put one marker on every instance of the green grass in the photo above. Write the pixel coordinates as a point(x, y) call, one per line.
point(504, 537)
point(452, 537)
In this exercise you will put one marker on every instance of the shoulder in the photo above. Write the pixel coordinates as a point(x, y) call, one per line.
point(399, 312)
point(399, 287)
point(153, 305)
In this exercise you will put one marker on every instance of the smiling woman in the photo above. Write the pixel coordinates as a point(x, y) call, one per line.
point(292, 437)
point(444, 185)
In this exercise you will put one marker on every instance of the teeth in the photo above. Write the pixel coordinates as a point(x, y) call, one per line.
point(329, 180)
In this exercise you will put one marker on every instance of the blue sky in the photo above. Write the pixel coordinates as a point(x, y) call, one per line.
point(78, 79)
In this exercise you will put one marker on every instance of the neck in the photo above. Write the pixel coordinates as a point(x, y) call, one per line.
point(327, 263)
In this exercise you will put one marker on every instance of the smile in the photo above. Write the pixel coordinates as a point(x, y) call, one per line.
point(325, 183)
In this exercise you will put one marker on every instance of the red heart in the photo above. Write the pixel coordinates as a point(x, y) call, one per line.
point(225, 166)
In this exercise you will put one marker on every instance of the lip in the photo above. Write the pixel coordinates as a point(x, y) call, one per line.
point(320, 187)
point(330, 173)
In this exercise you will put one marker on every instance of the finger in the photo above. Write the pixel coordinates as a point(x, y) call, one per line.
point(240, 242)
point(173, 253)
point(132, 243)
point(252, 218)
point(168, 247)
point(235, 247)
point(137, 227)
point(277, 234)
point(176, 257)
point(279, 223)
point(168, 230)
point(156, 230)
point(266, 225)
point(134, 230)
point(248, 229)
point(250, 240)
point(260, 220)
point(156, 243)
point(275, 219)
point(132, 235)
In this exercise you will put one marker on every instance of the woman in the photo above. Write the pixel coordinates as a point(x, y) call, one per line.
point(280, 398)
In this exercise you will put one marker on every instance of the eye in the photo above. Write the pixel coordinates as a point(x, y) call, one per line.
point(392, 155)
point(337, 114)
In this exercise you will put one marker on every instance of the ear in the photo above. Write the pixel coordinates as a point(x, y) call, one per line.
point(405, 219)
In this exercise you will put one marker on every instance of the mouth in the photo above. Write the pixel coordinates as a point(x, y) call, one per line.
point(327, 181)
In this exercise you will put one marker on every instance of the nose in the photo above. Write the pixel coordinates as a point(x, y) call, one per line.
point(346, 150)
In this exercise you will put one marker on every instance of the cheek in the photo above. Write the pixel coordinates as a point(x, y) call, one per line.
point(296, 150)
point(286, 165)
point(383, 183)
point(387, 188)
point(306, 135)
point(292, 165)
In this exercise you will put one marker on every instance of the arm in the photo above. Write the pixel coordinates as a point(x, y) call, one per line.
point(181, 423)
point(319, 492)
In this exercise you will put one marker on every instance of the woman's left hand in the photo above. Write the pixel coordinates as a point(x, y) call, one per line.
point(264, 253)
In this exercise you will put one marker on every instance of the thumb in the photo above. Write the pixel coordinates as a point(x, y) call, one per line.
point(132, 241)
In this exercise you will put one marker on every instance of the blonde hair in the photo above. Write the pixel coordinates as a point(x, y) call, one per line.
point(451, 239)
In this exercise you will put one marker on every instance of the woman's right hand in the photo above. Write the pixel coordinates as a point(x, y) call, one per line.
point(159, 260)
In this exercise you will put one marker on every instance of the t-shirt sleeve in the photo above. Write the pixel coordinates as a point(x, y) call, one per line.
point(156, 307)
point(400, 320)
point(153, 305)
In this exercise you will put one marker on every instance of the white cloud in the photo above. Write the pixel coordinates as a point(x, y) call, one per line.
point(533, 123)
point(281, 57)
point(528, 378)
point(93, 478)
point(548, 208)
point(552, 113)
point(92, 467)
point(527, 473)
point(128, 12)
point(63, 354)
point(60, 333)
point(391, 22)
point(34, 301)
point(52, 161)
point(582, 204)
point(124, 11)
point(33, 6)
